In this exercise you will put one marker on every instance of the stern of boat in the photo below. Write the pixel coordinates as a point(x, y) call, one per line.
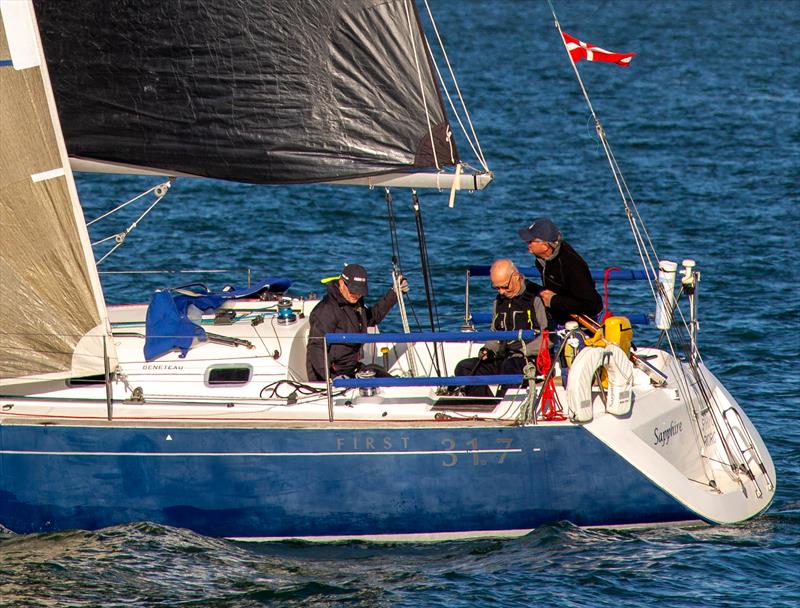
point(695, 442)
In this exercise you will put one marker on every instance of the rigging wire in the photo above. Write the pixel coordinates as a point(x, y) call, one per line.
point(421, 86)
point(166, 185)
point(396, 274)
point(160, 191)
point(644, 244)
point(430, 296)
point(476, 146)
point(647, 253)
point(397, 267)
point(627, 199)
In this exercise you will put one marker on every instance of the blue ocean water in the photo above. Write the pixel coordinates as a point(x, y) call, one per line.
point(706, 127)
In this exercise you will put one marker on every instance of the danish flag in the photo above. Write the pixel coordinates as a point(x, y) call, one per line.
point(582, 50)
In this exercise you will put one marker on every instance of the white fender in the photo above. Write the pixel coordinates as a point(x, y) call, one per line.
point(581, 374)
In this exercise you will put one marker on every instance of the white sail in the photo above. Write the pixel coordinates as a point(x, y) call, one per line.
point(53, 319)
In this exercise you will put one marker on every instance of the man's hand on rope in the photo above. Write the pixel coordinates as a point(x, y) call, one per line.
point(402, 283)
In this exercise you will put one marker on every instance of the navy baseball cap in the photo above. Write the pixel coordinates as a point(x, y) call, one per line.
point(540, 229)
point(355, 277)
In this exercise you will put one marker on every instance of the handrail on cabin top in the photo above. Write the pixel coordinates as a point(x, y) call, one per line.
point(430, 336)
point(597, 275)
point(475, 336)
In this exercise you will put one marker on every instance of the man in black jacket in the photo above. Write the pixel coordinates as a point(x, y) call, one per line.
point(342, 310)
point(517, 306)
point(568, 284)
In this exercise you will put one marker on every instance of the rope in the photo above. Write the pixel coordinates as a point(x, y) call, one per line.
point(549, 400)
point(396, 267)
point(526, 413)
point(430, 296)
point(392, 227)
point(297, 387)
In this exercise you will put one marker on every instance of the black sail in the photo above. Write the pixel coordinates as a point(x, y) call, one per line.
point(261, 91)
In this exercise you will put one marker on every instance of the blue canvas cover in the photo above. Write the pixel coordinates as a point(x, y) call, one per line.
point(168, 327)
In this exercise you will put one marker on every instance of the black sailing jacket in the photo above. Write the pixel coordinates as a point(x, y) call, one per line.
point(525, 311)
point(569, 277)
point(334, 314)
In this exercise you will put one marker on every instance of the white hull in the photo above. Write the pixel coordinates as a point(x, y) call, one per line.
point(679, 453)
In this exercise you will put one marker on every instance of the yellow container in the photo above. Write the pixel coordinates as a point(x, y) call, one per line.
point(615, 330)
point(618, 330)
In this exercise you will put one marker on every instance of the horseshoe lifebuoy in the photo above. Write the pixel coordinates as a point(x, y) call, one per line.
point(581, 375)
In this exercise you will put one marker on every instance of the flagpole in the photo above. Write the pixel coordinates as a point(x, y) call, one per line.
point(622, 187)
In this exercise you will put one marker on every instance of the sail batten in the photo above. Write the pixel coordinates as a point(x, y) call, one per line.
point(258, 91)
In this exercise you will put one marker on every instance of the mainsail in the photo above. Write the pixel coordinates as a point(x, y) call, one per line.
point(52, 313)
point(261, 91)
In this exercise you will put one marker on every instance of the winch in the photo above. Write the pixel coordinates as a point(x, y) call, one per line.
point(286, 315)
point(366, 391)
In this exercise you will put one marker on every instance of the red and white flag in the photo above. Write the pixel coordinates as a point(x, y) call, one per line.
point(582, 50)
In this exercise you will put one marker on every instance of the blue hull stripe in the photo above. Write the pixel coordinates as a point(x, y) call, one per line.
point(257, 454)
point(334, 482)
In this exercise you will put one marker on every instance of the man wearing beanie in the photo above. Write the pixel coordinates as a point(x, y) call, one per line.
point(568, 284)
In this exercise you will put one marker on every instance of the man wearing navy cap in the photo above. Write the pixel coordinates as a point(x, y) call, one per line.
point(342, 310)
point(568, 284)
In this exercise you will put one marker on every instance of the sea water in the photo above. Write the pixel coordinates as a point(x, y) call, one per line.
point(705, 126)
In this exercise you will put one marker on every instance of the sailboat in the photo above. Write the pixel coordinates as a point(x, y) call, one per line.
point(195, 410)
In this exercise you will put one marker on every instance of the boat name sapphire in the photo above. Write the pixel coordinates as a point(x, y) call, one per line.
point(663, 437)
